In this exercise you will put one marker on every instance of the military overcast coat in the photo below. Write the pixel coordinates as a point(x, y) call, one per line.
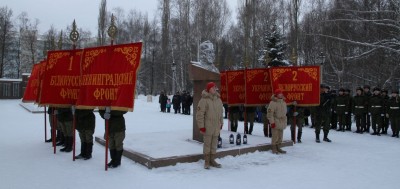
point(276, 113)
point(209, 113)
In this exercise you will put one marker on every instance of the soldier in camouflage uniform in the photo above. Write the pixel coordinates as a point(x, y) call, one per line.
point(368, 95)
point(266, 126)
point(234, 117)
point(359, 109)
point(340, 106)
point(385, 120)
point(323, 114)
point(85, 124)
point(376, 110)
point(349, 112)
point(64, 117)
point(393, 112)
point(334, 117)
point(296, 119)
point(116, 135)
point(249, 118)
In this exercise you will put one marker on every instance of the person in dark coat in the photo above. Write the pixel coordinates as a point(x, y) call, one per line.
point(368, 95)
point(250, 114)
point(359, 109)
point(189, 102)
point(393, 112)
point(116, 135)
point(163, 101)
point(176, 102)
point(296, 119)
point(183, 102)
point(234, 117)
point(323, 114)
point(64, 117)
point(376, 110)
point(349, 110)
point(385, 120)
point(266, 125)
point(340, 106)
point(85, 124)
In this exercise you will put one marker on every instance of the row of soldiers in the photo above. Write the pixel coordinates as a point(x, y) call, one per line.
point(335, 111)
point(61, 123)
point(376, 109)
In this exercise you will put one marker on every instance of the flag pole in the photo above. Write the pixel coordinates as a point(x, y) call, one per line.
point(45, 124)
point(112, 31)
point(74, 36)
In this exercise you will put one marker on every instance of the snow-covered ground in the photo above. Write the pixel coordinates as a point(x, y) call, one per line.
point(350, 161)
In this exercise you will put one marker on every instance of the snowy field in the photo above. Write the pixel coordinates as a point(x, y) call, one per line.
point(350, 161)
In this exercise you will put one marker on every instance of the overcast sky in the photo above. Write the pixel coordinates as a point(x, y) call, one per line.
point(61, 13)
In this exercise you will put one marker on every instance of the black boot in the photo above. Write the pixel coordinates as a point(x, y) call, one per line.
point(292, 132)
point(117, 161)
point(113, 153)
point(83, 151)
point(89, 149)
point(49, 140)
point(265, 129)
point(326, 139)
point(70, 143)
point(317, 138)
point(246, 129)
point(61, 140)
point(251, 129)
point(299, 137)
point(66, 144)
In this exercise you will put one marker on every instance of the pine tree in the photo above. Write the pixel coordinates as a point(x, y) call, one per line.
point(273, 52)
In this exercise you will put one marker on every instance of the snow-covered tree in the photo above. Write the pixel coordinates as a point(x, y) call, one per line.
point(273, 52)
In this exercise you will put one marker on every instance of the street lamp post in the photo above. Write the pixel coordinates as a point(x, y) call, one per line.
point(173, 67)
point(322, 58)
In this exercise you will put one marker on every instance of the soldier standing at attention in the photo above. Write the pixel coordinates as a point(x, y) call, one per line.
point(393, 112)
point(359, 108)
point(385, 120)
point(250, 116)
point(376, 106)
point(116, 135)
point(349, 112)
point(334, 117)
point(85, 124)
point(368, 95)
point(340, 106)
point(323, 114)
point(64, 117)
point(296, 118)
point(234, 117)
point(266, 126)
point(210, 121)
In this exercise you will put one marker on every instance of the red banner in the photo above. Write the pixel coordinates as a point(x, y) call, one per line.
point(109, 76)
point(301, 84)
point(223, 88)
point(235, 87)
point(61, 81)
point(258, 87)
point(32, 88)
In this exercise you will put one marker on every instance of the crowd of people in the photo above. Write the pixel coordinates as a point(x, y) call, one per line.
point(181, 102)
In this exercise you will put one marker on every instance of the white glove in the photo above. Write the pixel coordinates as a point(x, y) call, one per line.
point(387, 115)
point(346, 113)
point(107, 115)
point(295, 113)
point(382, 115)
point(369, 113)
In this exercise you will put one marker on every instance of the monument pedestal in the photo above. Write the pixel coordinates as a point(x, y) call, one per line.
point(200, 78)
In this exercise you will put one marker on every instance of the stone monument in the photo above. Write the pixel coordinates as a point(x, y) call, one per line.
point(201, 73)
